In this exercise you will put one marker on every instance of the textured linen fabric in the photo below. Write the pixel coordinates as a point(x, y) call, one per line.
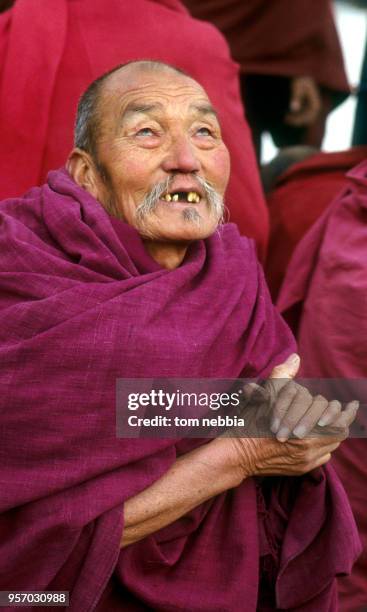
point(72, 42)
point(325, 296)
point(298, 199)
point(83, 304)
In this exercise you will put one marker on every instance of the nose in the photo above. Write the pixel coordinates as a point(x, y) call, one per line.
point(181, 156)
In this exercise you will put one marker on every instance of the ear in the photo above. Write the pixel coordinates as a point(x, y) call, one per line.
point(82, 169)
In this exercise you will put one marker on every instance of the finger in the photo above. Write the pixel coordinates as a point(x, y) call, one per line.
point(288, 369)
point(253, 392)
point(304, 117)
point(282, 403)
point(279, 378)
point(305, 103)
point(331, 413)
point(302, 402)
point(317, 446)
point(295, 105)
point(318, 406)
point(347, 416)
point(322, 460)
point(296, 99)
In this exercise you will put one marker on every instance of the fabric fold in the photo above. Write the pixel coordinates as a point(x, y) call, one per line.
point(100, 311)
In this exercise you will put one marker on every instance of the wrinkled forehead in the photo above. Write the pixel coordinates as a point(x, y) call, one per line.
point(167, 87)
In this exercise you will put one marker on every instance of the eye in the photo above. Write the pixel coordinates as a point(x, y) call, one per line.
point(204, 131)
point(145, 131)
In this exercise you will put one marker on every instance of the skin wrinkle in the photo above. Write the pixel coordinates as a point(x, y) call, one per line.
point(136, 108)
point(155, 129)
point(150, 202)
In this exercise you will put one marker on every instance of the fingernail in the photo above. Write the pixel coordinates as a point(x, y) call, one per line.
point(275, 425)
point(283, 434)
point(293, 359)
point(300, 431)
point(324, 421)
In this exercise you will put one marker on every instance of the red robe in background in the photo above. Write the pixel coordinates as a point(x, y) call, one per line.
point(326, 286)
point(50, 52)
point(274, 41)
point(286, 37)
point(300, 196)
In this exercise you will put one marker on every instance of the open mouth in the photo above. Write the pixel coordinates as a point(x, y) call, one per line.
point(193, 197)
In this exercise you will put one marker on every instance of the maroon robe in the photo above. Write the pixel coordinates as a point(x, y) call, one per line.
point(300, 196)
point(325, 295)
point(82, 304)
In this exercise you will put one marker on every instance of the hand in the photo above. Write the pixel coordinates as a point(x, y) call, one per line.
point(305, 103)
point(286, 408)
point(295, 411)
point(269, 457)
point(292, 409)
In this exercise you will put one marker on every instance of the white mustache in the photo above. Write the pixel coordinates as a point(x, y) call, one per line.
point(150, 202)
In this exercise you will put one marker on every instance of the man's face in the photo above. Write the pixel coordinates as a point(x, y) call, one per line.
point(159, 128)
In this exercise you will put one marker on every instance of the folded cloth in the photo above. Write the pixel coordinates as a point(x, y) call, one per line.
point(83, 304)
point(325, 289)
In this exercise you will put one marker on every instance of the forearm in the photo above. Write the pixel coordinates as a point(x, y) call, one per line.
point(193, 479)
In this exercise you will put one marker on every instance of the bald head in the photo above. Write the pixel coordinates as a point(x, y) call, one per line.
point(149, 149)
point(90, 107)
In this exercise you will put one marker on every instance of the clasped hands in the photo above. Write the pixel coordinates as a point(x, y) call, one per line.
point(293, 410)
point(288, 431)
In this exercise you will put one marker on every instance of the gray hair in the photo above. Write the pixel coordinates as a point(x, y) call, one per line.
point(150, 202)
point(88, 118)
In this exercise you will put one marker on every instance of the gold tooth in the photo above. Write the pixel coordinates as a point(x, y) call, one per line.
point(191, 196)
point(168, 197)
point(175, 197)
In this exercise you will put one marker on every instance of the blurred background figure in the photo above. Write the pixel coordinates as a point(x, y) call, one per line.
point(360, 125)
point(318, 206)
point(324, 299)
point(300, 183)
point(292, 69)
point(50, 52)
point(5, 5)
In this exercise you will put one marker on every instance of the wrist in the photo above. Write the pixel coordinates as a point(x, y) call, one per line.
point(225, 460)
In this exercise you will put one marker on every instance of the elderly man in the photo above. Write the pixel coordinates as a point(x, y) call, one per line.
point(118, 268)
point(101, 35)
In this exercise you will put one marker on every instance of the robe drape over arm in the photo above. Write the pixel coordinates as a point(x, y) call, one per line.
point(83, 304)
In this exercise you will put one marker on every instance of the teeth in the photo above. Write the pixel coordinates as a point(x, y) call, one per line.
point(192, 196)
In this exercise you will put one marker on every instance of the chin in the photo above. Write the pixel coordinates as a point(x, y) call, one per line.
point(188, 226)
point(189, 234)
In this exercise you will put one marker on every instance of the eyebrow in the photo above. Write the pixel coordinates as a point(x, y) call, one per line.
point(135, 108)
point(205, 109)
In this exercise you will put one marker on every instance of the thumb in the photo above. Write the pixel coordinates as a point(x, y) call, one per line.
point(287, 369)
point(295, 103)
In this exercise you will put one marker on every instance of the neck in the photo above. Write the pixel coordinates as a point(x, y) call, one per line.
point(168, 255)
